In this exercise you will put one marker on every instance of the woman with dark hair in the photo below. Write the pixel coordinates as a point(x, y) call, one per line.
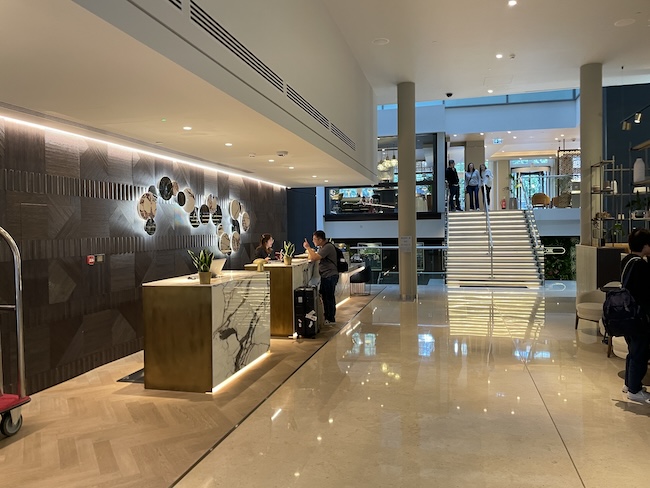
point(265, 249)
point(486, 183)
point(472, 179)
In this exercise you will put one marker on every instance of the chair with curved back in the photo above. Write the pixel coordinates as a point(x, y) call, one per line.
point(540, 200)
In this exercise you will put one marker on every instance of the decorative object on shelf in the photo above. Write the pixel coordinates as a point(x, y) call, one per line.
point(190, 200)
point(165, 188)
point(638, 171)
point(288, 248)
point(147, 206)
point(616, 232)
point(202, 263)
point(260, 262)
point(638, 206)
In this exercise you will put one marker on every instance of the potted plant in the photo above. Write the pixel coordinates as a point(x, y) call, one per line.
point(202, 261)
point(616, 232)
point(638, 206)
point(288, 249)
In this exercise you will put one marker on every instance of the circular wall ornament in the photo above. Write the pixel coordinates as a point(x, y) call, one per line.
point(190, 200)
point(175, 188)
point(180, 198)
point(220, 230)
point(153, 190)
point(234, 226)
point(165, 188)
point(150, 227)
point(194, 218)
point(204, 214)
point(212, 203)
point(235, 209)
point(245, 221)
point(147, 206)
point(235, 242)
point(217, 216)
point(224, 243)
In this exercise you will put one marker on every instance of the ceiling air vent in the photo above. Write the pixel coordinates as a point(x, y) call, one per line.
point(342, 135)
point(202, 19)
point(177, 3)
point(307, 107)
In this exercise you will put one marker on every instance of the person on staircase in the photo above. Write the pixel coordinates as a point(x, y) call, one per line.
point(451, 177)
point(486, 180)
point(472, 180)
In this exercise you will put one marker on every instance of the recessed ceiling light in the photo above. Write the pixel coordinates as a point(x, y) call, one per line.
point(380, 41)
point(327, 181)
point(624, 22)
point(163, 120)
point(187, 127)
point(514, 137)
point(290, 167)
point(271, 160)
point(499, 56)
point(314, 176)
point(482, 133)
point(455, 135)
point(509, 132)
point(557, 138)
point(561, 135)
point(228, 144)
point(490, 90)
point(512, 3)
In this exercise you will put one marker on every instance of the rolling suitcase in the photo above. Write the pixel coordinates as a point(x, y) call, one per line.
point(306, 319)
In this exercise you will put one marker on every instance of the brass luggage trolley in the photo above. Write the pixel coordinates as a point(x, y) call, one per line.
point(10, 405)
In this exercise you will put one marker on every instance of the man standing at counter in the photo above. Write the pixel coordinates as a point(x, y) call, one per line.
point(329, 274)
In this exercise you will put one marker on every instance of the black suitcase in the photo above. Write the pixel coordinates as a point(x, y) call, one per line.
point(306, 319)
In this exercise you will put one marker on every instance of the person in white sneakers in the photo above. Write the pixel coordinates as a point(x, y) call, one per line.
point(638, 345)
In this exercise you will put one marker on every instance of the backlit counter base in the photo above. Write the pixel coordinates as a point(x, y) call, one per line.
point(196, 336)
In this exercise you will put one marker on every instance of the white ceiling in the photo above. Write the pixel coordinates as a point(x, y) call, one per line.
point(84, 70)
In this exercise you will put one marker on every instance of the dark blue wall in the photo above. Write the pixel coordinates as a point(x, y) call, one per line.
point(301, 215)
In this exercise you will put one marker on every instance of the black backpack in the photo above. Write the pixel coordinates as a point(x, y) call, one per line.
point(621, 314)
point(341, 263)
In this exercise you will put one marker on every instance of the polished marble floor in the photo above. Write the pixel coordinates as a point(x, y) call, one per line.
point(463, 388)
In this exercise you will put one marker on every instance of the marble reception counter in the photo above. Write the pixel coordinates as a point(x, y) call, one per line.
point(196, 336)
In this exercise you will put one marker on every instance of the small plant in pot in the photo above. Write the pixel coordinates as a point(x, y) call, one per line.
point(202, 261)
point(288, 249)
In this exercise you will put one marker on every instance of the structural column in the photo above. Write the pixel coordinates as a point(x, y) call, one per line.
point(408, 280)
point(591, 140)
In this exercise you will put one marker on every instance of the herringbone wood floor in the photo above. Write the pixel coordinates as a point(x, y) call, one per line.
point(92, 431)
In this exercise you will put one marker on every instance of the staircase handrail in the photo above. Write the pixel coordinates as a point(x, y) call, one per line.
point(488, 227)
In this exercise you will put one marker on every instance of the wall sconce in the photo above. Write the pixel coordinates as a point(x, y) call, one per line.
point(625, 125)
point(637, 118)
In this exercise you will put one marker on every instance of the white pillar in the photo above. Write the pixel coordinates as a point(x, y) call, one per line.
point(408, 280)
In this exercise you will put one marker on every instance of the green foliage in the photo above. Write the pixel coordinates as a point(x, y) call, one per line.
point(560, 266)
point(203, 260)
point(289, 248)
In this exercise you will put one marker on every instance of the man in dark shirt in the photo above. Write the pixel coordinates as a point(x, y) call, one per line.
point(451, 177)
point(638, 345)
point(328, 269)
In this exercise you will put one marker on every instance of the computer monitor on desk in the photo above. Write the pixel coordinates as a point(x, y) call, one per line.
point(216, 266)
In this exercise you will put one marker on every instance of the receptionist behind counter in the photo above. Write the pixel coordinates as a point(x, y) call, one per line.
point(265, 249)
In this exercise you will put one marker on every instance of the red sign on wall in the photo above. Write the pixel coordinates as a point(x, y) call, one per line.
point(90, 260)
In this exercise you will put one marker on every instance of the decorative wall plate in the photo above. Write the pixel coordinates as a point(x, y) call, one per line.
point(204, 214)
point(224, 243)
point(235, 209)
point(245, 221)
point(147, 206)
point(150, 227)
point(153, 190)
point(212, 203)
point(165, 188)
point(234, 226)
point(217, 216)
point(180, 198)
point(175, 188)
point(235, 241)
point(194, 217)
point(190, 200)
point(220, 230)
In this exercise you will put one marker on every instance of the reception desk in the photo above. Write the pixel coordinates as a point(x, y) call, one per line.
point(196, 336)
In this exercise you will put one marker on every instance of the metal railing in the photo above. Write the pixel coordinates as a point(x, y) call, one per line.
point(488, 228)
point(538, 247)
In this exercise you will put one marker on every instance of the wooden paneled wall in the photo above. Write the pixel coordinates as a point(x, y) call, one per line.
point(63, 198)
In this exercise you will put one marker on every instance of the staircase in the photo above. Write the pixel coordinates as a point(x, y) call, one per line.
point(517, 256)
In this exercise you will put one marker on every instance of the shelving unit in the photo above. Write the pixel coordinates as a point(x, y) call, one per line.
point(610, 218)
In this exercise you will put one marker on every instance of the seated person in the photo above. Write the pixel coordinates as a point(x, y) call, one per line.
point(265, 249)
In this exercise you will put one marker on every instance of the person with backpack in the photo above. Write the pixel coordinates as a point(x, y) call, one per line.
point(328, 270)
point(637, 281)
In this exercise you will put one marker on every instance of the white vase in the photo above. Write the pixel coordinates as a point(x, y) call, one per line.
point(639, 171)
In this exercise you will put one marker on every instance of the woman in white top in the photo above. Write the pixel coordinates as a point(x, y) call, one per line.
point(472, 180)
point(486, 182)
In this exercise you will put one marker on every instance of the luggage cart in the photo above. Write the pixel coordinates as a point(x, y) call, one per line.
point(10, 405)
